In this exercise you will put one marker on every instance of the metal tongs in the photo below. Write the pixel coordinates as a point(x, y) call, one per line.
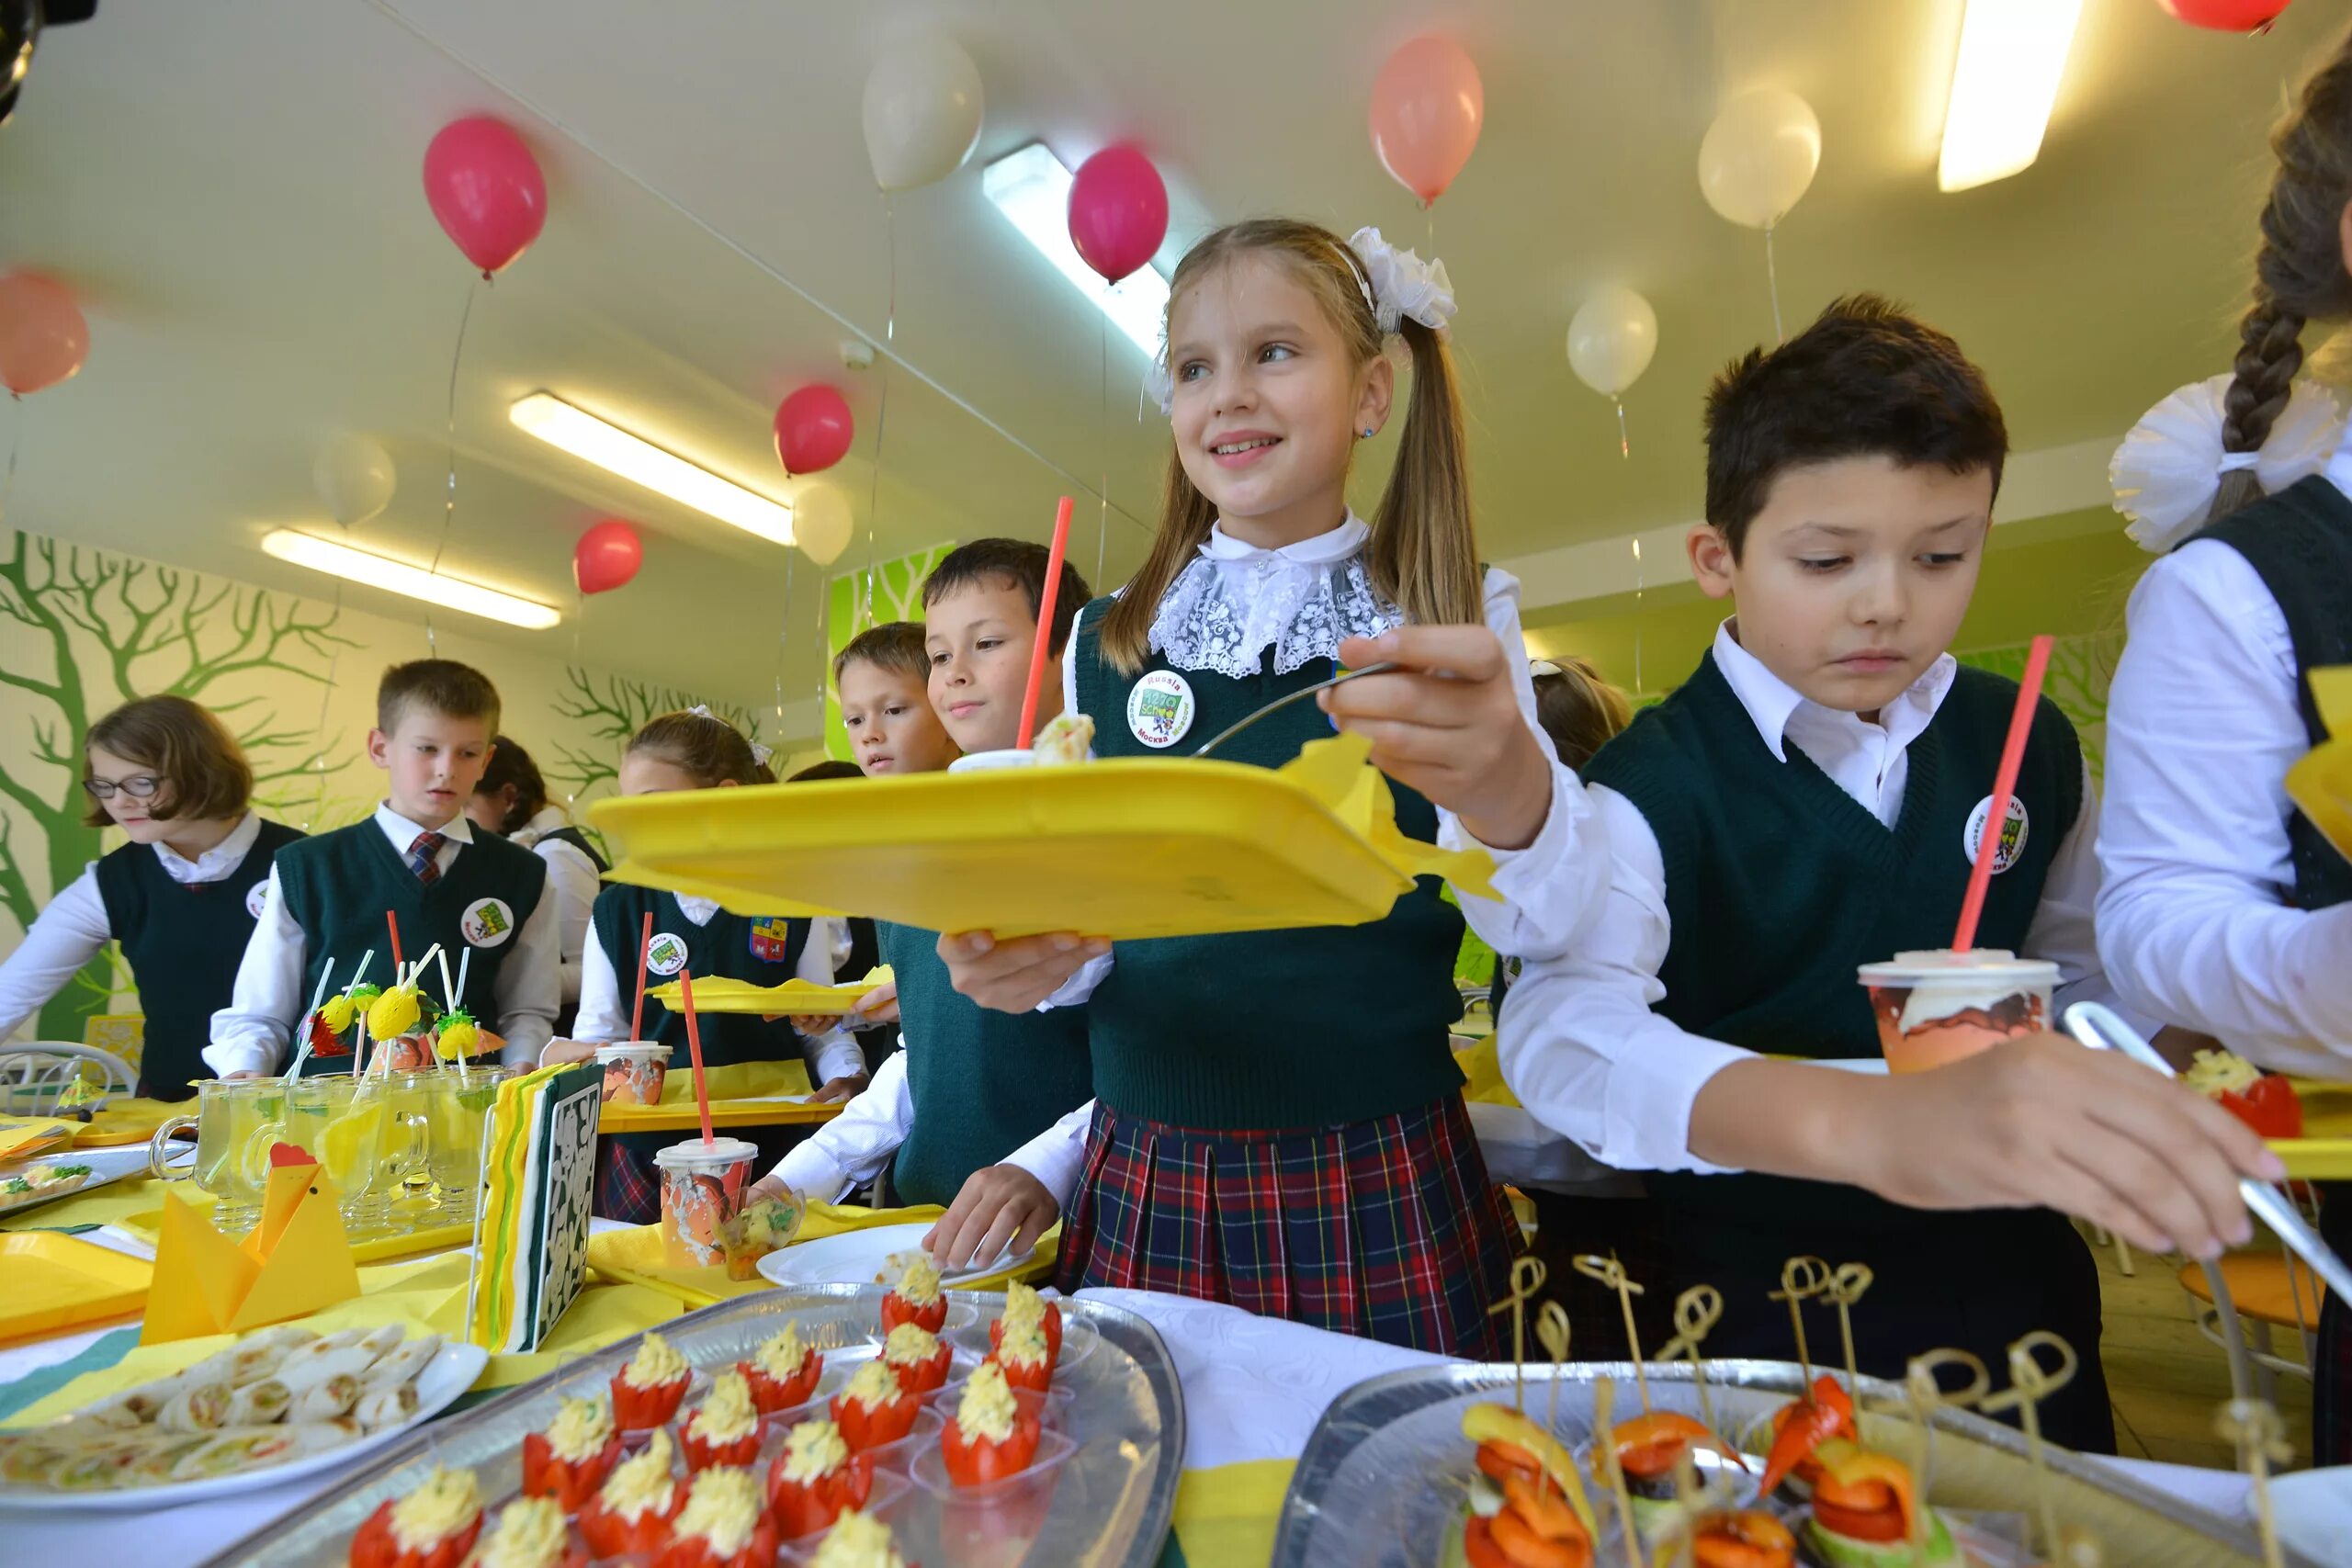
point(2099, 1028)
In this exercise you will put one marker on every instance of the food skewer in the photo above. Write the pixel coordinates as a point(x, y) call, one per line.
point(1604, 1403)
point(1924, 1391)
point(2254, 1426)
point(1844, 1288)
point(1696, 1311)
point(2029, 1384)
point(1801, 1278)
point(1611, 1273)
point(1526, 1279)
point(1552, 1333)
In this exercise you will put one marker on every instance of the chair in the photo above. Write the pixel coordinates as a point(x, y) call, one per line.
point(33, 1075)
point(2258, 1289)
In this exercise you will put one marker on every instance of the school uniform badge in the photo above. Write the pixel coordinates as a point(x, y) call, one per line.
point(257, 898)
point(665, 955)
point(487, 922)
point(2011, 845)
point(1160, 709)
point(771, 938)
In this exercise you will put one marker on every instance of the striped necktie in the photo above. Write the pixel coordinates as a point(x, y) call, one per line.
point(424, 857)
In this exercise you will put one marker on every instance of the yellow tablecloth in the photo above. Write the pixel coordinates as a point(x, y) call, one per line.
point(1227, 1514)
point(635, 1256)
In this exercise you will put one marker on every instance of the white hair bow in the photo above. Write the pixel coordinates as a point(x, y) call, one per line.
point(2170, 465)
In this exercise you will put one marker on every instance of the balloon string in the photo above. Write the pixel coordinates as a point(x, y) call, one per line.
point(1637, 601)
point(1624, 442)
point(1772, 281)
point(784, 644)
point(16, 445)
point(881, 423)
point(450, 501)
point(1103, 538)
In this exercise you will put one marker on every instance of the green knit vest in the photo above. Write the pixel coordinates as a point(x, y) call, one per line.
point(339, 886)
point(1780, 886)
point(1314, 1026)
point(982, 1082)
point(765, 951)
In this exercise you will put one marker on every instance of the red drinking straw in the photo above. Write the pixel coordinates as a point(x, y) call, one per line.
point(393, 921)
point(694, 1049)
point(644, 947)
point(2004, 783)
point(1037, 649)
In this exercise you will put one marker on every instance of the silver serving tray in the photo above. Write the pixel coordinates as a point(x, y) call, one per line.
point(1386, 1470)
point(1111, 1506)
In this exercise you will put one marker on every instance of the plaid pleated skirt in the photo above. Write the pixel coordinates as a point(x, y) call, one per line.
point(2332, 1358)
point(1390, 1229)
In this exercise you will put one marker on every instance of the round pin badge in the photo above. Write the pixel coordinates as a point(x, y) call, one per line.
point(1160, 709)
point(257, 898)
point(666, 955)
point(487, 922)
point(2013, 831)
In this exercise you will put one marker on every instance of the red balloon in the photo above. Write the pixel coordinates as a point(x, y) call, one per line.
point(1118, 212)
point(486, 190)
point(606, 556)
point(1427, 106)
point(43, 338)
point(2226, 16)
point(813, 429)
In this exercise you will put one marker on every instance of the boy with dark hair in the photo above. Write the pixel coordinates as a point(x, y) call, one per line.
point(418, 858)
point(970, 1113)
point(1801, 807)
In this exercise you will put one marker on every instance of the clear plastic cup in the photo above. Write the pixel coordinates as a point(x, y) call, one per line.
point(1936, 1007)
point(634, 1072)
point(702, 1190)
point(988, 761)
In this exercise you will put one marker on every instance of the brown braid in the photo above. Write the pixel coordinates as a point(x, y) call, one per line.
point(2298, 273)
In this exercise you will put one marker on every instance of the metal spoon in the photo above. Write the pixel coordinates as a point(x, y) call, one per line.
point(1221, 737)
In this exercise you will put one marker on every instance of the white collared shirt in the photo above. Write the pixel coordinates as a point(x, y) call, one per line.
point(605, 1010)
point(72, 930)
point(1579, 1044)
point(2202, 724)
point(249, 1034)
point(572, 882)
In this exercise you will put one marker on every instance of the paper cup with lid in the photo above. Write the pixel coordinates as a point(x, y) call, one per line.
point(634, 1072)
point(702, 1192)
point(1936, 1007)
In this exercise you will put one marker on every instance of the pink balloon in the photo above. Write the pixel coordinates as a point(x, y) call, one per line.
point(43, 338)
point(486, 190)
point(1427, 106)
point(2226, 16)
point(813, 429)
point(1118, 212)
point(606, 556)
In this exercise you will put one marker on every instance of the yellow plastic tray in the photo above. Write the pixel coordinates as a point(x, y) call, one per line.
point(2321, 783)
point(793, 998)
point(2324, 1151)
point(147, 1225)
point(1127, 848)
point(49, 1282)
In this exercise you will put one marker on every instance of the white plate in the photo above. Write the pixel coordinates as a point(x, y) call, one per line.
point(106, 1166)
point(863, 1258)
point(451, 1371)
point(2313, 1508)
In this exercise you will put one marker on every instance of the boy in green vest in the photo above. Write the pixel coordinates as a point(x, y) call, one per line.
point(976, 1111)
point(418, 858)
point(1802, 804)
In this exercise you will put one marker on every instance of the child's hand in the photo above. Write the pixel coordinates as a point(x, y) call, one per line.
point(999, 1207)
point(879, 1005)
point(558, 1052)
point(1448, 725)
point(813, 1023)
point(2043, 1122)
point(241, 1073)
point(834, 1091)
point(1017, 974)
point(767, 1187)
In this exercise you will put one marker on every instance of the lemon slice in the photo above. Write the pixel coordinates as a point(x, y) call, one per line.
point(349, 1136)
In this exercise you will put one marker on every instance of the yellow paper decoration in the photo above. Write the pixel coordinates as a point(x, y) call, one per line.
point(296, 1260)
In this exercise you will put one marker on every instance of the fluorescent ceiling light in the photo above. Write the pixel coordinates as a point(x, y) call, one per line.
point(616, 451)
point(2012, 53)
point(398, 577)
point(1032, 190)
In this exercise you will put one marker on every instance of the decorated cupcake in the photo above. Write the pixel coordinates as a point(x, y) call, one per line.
point(873, 1409)
point(722, 1524)
point(815, 1478)
point(1025, 1358)
point(432, 1526)
point(858, 1540)
point(648, 1390)
point(783, 1372)
point(991, 1436)
point(1024, 1308)
point(530, 1533)
point(634, 1511)
point(916, 1356)
point(724, 1429)
point(573, 1457)
point(916, 1298)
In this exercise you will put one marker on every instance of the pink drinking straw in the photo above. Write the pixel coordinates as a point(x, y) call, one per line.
point(2004, 783)
point(694, 1049)
point(1037, 649)
point(644, 946)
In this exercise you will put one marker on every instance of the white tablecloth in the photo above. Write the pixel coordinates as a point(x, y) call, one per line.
point(1253, 1389)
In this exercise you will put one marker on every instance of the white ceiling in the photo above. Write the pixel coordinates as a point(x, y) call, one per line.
point(233, 188)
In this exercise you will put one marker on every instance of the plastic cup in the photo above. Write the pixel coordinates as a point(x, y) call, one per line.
point(633, 1072)
point(1935, 1008)
point(702, 1191)
point(988, 762)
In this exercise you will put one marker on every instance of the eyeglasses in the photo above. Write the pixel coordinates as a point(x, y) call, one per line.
point(141, 787)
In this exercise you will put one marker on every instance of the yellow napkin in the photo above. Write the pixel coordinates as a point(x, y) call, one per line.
point(23, 1140)
point(296, 1261)
point(1340, 774)
point(635, 1256)
point(598, 1316)
point(128, 1122)
point(2321, 783)
point(1229, 1514)
point(1482, 1072)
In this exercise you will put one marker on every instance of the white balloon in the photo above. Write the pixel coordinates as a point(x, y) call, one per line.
point(1759, 157)
point(822, 524)
point(354, 475)
point(923, 113)
point(1612, 338)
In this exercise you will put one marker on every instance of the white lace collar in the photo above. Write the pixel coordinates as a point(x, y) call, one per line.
point(1236, 600)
